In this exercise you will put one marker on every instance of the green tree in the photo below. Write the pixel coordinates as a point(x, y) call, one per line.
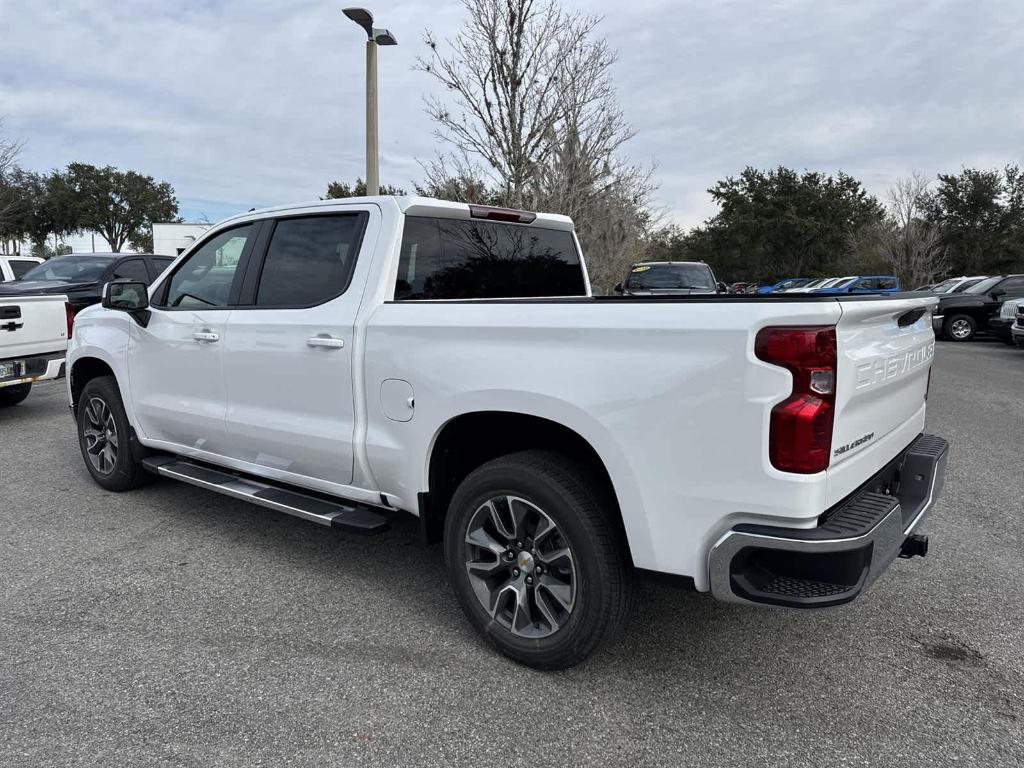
point(781, 223)
point(340, 189)
point(981, 213)
point(120, 205)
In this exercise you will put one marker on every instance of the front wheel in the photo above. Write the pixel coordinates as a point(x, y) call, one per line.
point(960, 328)
point(535, 557)
point(103, 436)
point(13, 395)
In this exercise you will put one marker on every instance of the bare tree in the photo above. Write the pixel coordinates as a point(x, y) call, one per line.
point(536, 111)
point(504, 71)
point(584, 176)
point(910, 244)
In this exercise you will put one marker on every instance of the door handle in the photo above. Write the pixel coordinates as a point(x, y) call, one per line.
point(325, 341)
point(207, 336)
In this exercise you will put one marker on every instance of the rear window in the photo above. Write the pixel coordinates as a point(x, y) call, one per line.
point(668, 276)
point(20, 267)
point(460, 259)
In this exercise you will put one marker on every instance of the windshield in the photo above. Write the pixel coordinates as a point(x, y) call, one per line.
point(967, 284)
point(945, 285)
point(646, 277)
point(985, 285)
point(794, 283)
point(71, 269)
point(845, 282)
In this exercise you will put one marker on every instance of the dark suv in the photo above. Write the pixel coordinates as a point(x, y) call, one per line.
point(960, 316)
point(663, 278)
point(80, 276)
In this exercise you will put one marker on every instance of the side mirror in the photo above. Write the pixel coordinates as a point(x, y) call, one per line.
point(722, 287)
point(618, 288)
point(997, 294)
point(131, 296)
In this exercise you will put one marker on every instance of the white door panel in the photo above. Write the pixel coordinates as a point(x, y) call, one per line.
point(288, 360)
point(175, 377)
point(289, 402)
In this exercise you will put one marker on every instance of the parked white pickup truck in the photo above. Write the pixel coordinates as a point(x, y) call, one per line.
point(33, 340)
point(13, 267)
point(344, 360)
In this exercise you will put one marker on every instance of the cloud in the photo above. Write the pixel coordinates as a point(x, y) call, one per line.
point(242, 103)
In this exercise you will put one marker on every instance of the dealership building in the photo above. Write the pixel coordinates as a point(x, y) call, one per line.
point(173, 238)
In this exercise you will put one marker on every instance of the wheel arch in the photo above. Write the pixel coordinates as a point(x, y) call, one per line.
point(82, 371)
point(472, 438)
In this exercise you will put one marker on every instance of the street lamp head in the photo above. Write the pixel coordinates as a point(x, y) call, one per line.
point(362, 17)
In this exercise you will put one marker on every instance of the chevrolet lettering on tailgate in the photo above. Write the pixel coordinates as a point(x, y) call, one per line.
point(888, 368)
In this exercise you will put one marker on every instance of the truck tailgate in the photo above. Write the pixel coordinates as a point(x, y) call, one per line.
point(885, 350)
point(32, 325)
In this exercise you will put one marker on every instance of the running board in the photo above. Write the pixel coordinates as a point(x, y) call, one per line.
point(350, 517)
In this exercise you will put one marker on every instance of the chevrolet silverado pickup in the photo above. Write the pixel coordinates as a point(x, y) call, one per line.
point(345, 361)
point(33, 342)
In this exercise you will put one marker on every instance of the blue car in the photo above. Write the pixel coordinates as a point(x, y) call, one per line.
point(784, 285)
point(864, 284)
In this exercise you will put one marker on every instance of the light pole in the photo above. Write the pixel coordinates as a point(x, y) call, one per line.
point(375, 37)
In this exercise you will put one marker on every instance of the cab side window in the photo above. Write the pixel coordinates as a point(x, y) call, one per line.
point(1013, 287)
point(132, 269)
point(158, 264)
point(310, 259)
point(20, 266)
point(204, 280)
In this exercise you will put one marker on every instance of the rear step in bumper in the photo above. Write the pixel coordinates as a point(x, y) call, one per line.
point(853, 544)
point(349, 517)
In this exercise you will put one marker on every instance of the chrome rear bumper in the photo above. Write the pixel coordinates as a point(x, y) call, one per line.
point(852, 546)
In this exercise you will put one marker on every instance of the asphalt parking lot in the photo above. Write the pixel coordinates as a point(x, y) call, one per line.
point(171, 626)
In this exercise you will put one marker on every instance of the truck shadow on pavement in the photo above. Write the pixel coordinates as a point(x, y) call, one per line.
point(389, 596)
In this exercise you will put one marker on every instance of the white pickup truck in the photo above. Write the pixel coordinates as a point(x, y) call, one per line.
point(344, 360)
point(33, 340)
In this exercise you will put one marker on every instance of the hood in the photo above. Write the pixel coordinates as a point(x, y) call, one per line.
point(37, 287)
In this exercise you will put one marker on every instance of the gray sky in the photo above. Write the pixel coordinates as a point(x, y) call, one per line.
point(240, 103)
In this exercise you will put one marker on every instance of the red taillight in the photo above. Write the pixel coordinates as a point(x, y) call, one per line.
point(69, 314)
point(800, 438)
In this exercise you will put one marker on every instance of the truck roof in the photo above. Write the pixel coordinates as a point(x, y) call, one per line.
point(410, 205)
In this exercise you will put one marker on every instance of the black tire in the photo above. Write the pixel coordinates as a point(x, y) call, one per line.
point(952, 328)
point(124, 472)
point(565, 492)
point(13, 395)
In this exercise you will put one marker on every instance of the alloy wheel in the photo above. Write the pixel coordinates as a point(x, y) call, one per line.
point(520, 567)
point(960, 329)
point(100, 433)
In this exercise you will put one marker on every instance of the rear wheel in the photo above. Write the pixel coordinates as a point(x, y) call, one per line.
point(960, 328)
point(537, 563)
point(14, 395)
point(103, 436)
